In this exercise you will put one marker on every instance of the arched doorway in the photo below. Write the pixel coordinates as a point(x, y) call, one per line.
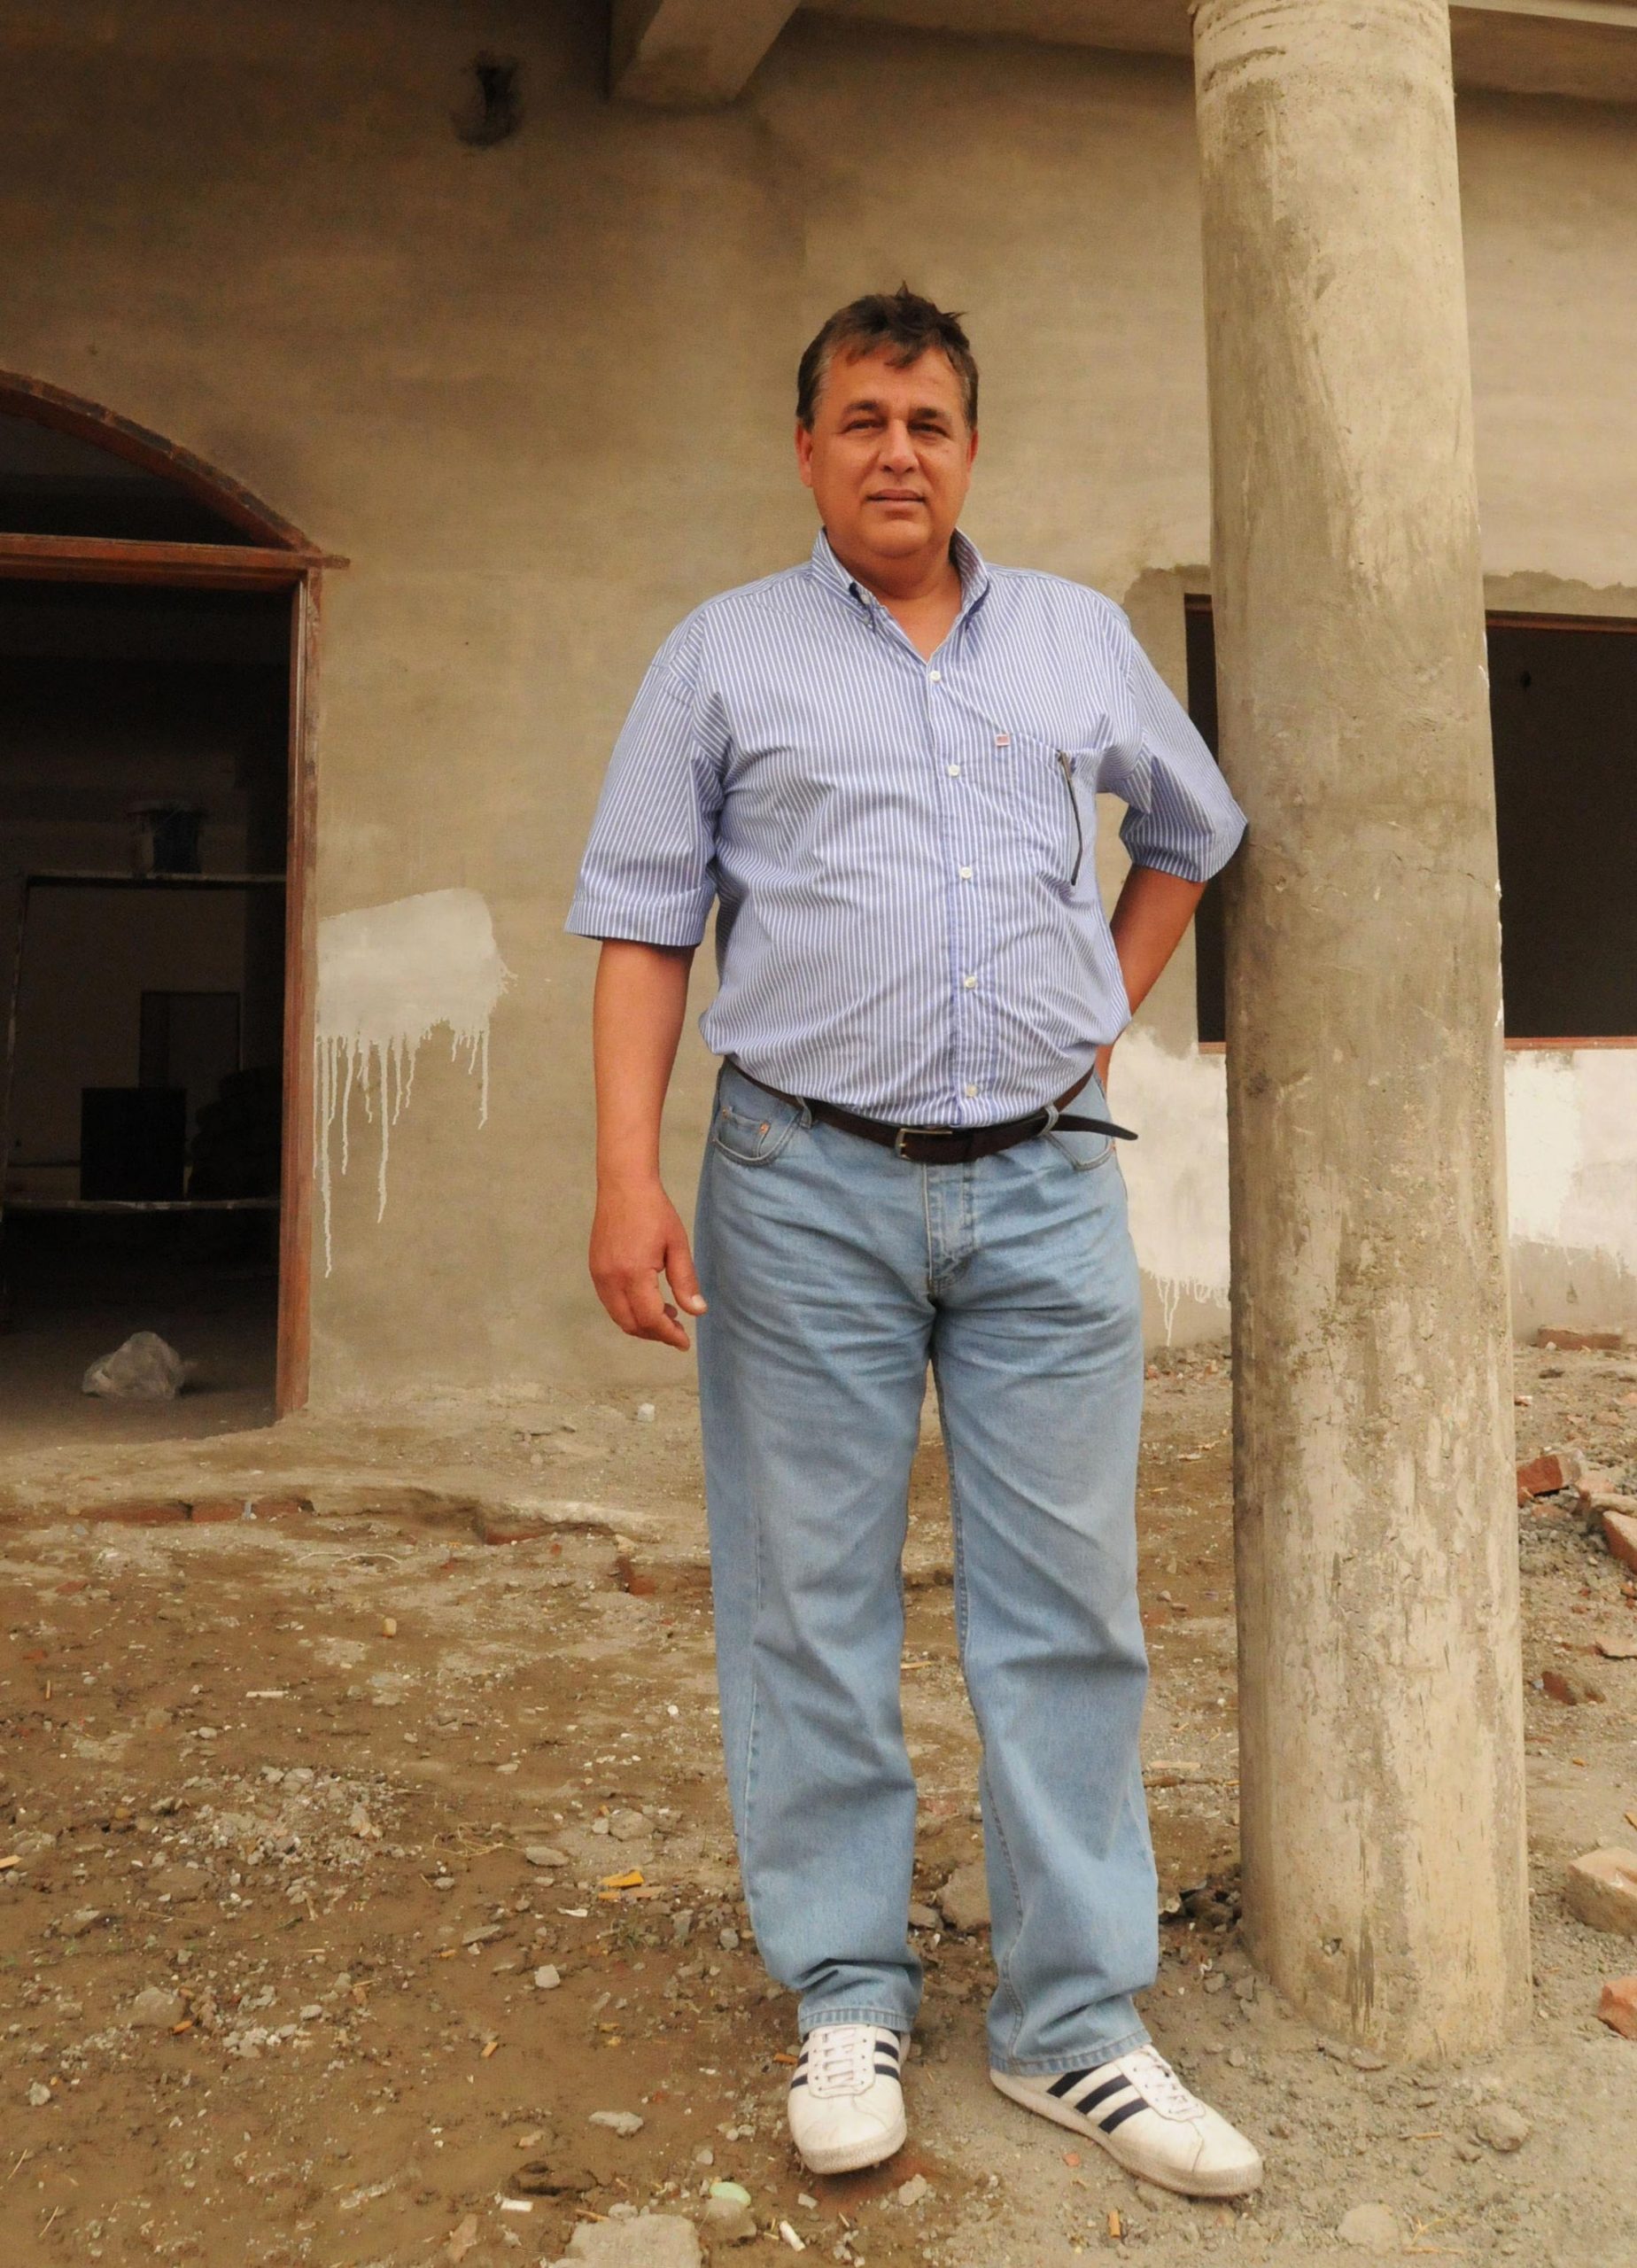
point(158, 650)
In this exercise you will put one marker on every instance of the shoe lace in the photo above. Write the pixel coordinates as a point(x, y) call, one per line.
point(1152, 2075)
point(840, 2059)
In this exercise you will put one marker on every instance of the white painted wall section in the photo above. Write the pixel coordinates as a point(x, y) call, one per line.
point(1572, 1177)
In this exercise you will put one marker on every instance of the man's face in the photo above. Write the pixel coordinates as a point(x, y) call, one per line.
point(889, 456)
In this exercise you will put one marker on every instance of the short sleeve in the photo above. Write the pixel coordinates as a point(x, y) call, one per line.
point(648, 871)
point(1182, 818)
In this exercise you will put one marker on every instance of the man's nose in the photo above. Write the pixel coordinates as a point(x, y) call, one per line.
point(897, 448)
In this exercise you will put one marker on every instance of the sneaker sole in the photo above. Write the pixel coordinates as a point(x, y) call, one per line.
point(1222, 2185)
point(860, 2155)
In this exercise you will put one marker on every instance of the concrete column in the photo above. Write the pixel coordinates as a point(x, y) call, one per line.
point(1380, 1680)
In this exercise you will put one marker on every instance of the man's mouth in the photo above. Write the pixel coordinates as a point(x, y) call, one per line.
point(894, 496)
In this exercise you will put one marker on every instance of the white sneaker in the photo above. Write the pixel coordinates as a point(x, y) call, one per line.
point(846, 2099)
point(1145, 2118)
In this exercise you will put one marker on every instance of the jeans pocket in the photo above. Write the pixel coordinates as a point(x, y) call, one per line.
point(753, 1141)
point(1085, 1152)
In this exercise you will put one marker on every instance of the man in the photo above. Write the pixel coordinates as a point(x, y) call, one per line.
point(883, 766)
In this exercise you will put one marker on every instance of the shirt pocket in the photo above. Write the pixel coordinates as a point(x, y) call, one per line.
point(1053, 795)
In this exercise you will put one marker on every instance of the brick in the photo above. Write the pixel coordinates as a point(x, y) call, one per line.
point(1617, 2006)
point(281, 1508)
point(1542, 1476)
point(1620, 1533)
point(1571, 1690)
point(216, 1509)
point(509, 1527)
point(1577, 1343)
point(1600, 1890)
point(136, 1513)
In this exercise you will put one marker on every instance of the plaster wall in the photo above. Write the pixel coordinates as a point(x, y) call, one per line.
point(539, 396)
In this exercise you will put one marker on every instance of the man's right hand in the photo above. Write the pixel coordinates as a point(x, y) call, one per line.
point(636, 1238)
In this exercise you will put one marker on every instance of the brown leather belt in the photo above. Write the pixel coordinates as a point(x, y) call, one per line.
point(949, 1145)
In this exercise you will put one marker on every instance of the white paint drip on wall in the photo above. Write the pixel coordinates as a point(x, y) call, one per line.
point(1177, 1172)
point(388, 977)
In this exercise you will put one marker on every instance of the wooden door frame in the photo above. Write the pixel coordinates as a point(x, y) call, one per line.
point(274, 555)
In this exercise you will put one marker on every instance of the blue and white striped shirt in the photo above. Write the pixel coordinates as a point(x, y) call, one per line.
point(902, 849)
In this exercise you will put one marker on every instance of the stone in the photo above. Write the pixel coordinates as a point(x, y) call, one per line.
point(628, 1826)
point(545, 1854)
point(1600, 1890)
point(78, 1924)
point(922, 1917)
point(617, 2121)
point(1542, 1476)
point(964, 1899)
point(914, 2191)
point(646, 1413)
point(1620, 1649)
point(39, 2096)
point(725, 2221)
point(1369, 2228)
point(144, 1368)
point(546, 1979)
point(1619, 1527)
point(728, 1939)
point(546, 2178)
point(647, 2241)
point(180, 1884)
point(155, 2008)
point(1503, 2128)
point(1617, 2006)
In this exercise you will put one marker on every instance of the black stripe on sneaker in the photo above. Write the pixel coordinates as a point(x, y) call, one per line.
point(800, 2080)
point(886, 2071)
point(1087, 2103)
point(1068, 2083)
point(1118, 2118)
point(885, 2043)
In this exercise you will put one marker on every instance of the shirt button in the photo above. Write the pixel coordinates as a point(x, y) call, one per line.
point(954, 771)
point(968, 982)
point(969, 1093)
point(965, 874)
point(934, 676)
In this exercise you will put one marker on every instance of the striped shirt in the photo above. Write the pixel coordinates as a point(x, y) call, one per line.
point(901, 851)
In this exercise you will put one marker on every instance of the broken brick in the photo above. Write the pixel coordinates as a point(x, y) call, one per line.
point(1570, 1689)
point(1617, 2006)
point(1542, 1476)
point(1620, 1533)
point(1577, 1343)
point(1600, 1888)
point(281, 1508)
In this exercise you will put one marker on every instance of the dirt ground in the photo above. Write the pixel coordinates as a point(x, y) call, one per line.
point(276, 1968)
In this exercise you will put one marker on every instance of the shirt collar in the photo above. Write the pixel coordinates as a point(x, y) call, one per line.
point(969, 564)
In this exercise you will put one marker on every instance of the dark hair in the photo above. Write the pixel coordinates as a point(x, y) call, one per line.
point(903, 322)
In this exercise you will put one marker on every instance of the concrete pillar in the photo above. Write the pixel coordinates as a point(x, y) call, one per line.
point(1380, 1680)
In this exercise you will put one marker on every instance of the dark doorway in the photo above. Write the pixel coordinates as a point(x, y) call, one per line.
point(144, 738)
point(1563, 705)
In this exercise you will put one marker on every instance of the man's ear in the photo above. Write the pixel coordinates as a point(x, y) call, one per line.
point(804, 454)
point(972, 454)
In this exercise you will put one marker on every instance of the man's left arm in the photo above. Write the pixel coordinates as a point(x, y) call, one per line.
point(1149, 921)
point(1181, 828)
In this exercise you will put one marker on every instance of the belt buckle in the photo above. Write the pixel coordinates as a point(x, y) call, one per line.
point(904, 1133)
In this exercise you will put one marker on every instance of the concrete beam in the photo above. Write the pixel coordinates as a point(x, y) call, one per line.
point(1381, 1681)
point(689, 54)
point(1584, 48)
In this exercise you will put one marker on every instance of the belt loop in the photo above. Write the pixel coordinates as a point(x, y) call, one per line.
point(1052, 1114)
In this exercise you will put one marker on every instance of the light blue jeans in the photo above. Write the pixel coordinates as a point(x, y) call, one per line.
point(834, 1273)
